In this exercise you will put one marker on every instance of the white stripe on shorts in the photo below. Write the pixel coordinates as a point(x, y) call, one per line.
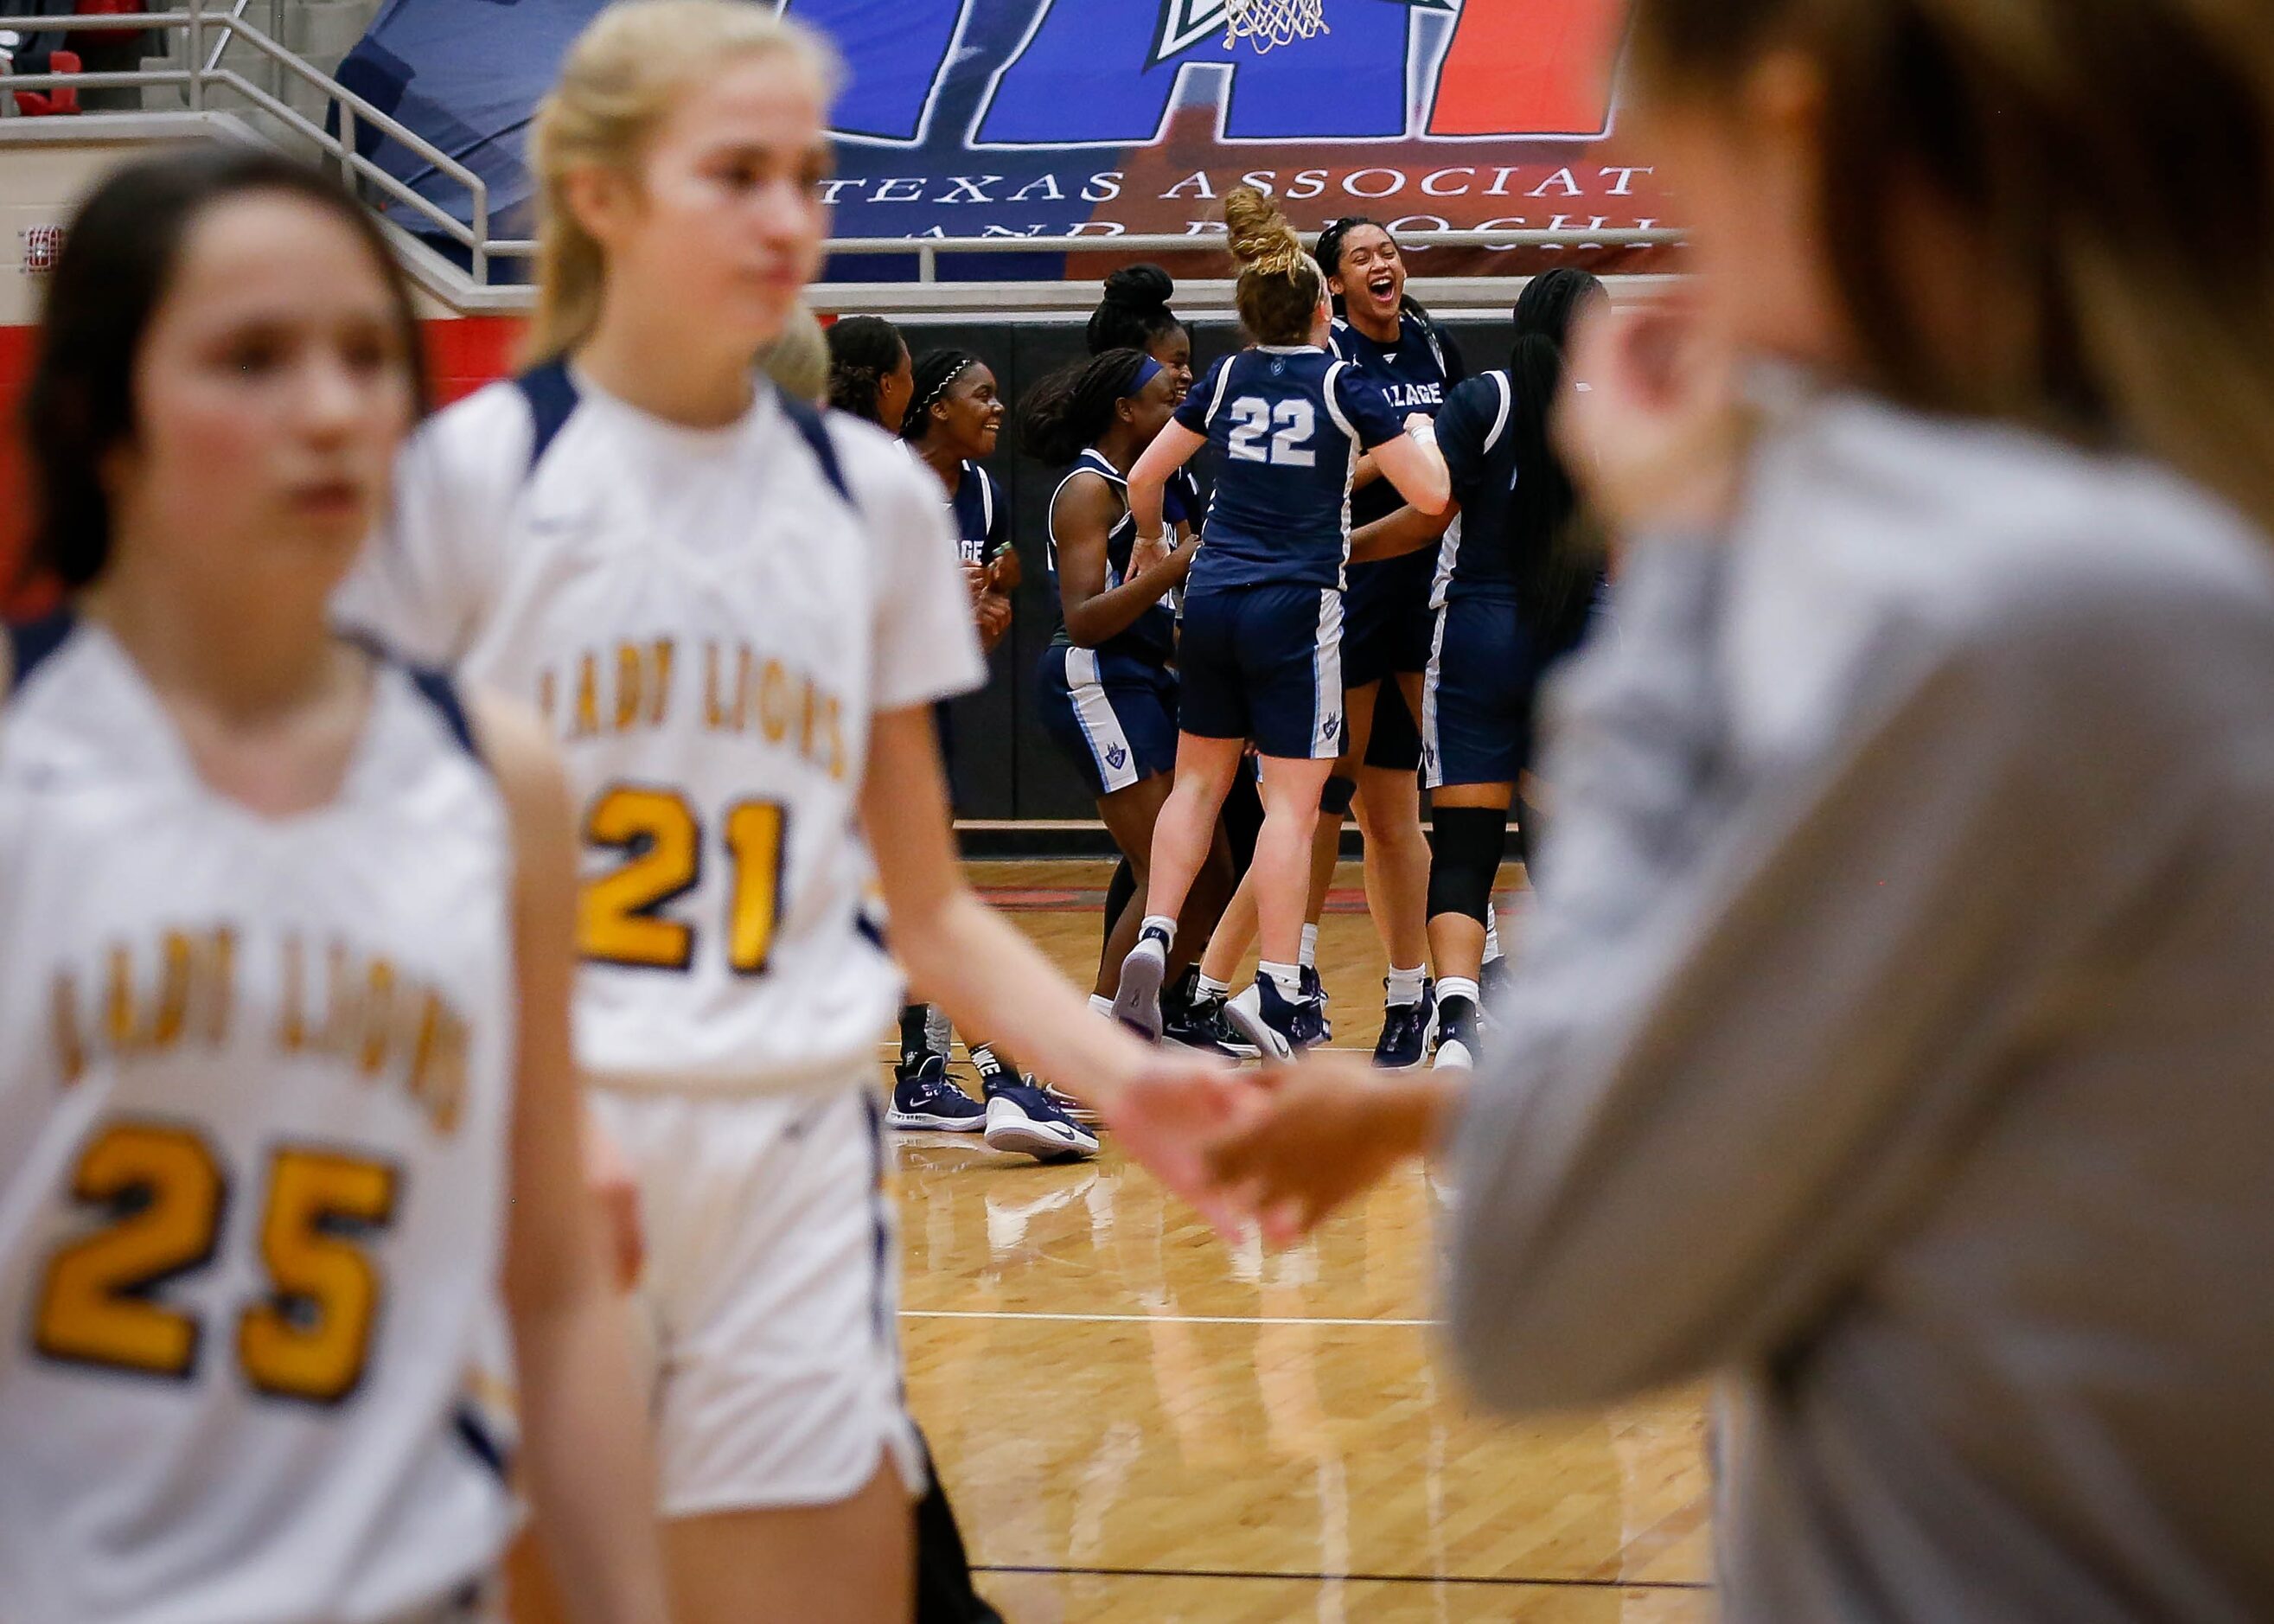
point(1432, 759)
point(1326, 678)
point(1099, 725)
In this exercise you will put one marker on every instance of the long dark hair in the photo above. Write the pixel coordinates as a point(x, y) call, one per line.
point(1558, 560)
point(1074, 406)
point(1134, 313)
point(863, 351)
point(119, 257)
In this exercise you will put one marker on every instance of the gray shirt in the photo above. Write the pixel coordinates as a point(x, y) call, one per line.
point(1895, 1036)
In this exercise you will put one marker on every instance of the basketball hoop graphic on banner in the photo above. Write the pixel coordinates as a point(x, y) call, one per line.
point(1261, 23)
point(43, 246)
point(1265, 23)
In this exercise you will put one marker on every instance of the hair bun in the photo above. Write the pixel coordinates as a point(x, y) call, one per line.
point(1261, 239)
point(1139, 287)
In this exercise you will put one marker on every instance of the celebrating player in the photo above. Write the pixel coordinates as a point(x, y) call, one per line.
point(1261, 657)
point(287, 1077)
point(954, 417)
point(1516, 584)
point(738, 617)
point(1106, 687)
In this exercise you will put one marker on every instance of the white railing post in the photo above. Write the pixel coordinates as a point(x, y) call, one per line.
point(196, 56)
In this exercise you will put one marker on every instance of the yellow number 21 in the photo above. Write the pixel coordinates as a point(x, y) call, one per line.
point(620, 915)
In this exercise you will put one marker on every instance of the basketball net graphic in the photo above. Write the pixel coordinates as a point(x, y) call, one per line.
point(1262, 23)
point(1265, 23)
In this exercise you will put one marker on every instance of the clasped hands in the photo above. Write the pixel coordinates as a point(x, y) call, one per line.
point(1280, 1148)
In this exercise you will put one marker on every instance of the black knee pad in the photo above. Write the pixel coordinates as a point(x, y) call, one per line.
point(1466, 845)
point(1336, 798)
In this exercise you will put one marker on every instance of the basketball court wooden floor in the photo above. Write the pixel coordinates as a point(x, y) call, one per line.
point(1141, 1426)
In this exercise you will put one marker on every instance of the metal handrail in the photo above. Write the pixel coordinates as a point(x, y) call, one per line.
point(472, 237)
point(482, 250)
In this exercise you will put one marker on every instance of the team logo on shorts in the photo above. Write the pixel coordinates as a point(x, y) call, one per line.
point(1116, 757)
point(1331, 726)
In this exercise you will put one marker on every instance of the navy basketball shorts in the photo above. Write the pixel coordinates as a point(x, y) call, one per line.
point(1389, 618)
point(1477, 695)
point(1264, 663)
point(1116, 719)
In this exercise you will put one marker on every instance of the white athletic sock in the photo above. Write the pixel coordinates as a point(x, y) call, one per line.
point(1450, 987)
point(1492, 933)
point(1309, 956)
point(1205, 985)
point(1287, 977)
point(1101, 1004)
point(1154, 922)
point(1406, 984)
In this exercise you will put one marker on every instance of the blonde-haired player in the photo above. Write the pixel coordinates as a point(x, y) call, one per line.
point(285, 1073)
point(737, 617)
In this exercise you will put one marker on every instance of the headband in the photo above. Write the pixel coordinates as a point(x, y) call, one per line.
point(1148, 370)
point(946, 383)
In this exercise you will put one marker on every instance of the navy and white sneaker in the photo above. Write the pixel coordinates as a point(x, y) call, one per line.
point(995, 1076)
point(1137, 1000)
point(1406, 1030)
point(1204, 1026)
point(926, 1101)
point(1021, 1118)
point(1456, 1036)
point(1280, 1027)
point(1315, 988)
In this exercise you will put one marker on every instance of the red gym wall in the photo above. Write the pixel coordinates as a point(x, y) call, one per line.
point(461, 356)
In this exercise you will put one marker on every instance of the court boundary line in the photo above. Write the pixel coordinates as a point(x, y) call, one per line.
point(1156, 1319)
point(1326, 1578)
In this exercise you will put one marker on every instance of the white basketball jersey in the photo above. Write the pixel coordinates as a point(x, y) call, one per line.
point(708, 623)
point(254, 1087)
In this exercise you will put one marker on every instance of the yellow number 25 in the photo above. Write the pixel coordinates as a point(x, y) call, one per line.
point(161, 1194)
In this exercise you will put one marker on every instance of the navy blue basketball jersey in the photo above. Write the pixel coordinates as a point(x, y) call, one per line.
point(1414, 375)
point(982, 519)
point(1150, 640)
point(1472, 431)
point(1181, 502)
point(1288, 424)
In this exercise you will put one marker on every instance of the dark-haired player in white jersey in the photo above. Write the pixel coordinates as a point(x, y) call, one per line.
point(1261, 655)
point(285, 1081)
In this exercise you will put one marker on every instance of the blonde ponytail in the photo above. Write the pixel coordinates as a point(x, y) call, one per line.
point(1280, 285)
point(630, 65)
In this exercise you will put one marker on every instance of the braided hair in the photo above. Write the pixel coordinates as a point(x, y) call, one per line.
point(1134, 313)
point(937, 370)
point(1074, 406)
point(863, 351)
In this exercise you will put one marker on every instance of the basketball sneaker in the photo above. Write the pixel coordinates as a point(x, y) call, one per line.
point(996, 1075)
point(926, 1101)
point(1315, 988)
point(1137, 1000)
point(1203, 1025)
point(1280, 1027)
point(1406, 1030)
point(1456, 1036)
point(1021, 1118)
